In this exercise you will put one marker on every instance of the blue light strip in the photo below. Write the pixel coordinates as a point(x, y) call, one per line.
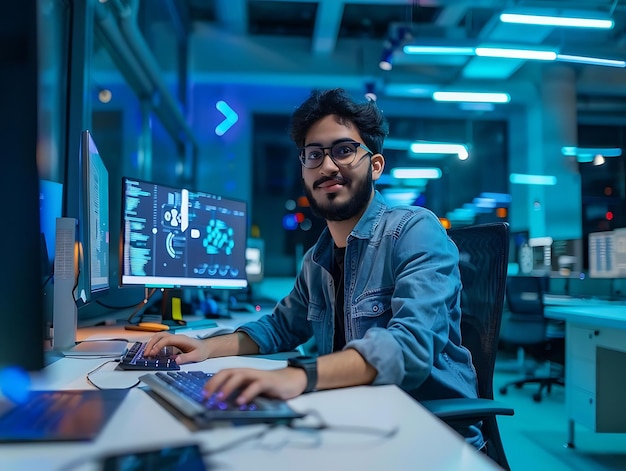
point(591, 60)
point(525, 179)
point(511, 53)
point(440, 148)
point(473, 97)
point(546, 20)
point(455, 50)
point(412, 173)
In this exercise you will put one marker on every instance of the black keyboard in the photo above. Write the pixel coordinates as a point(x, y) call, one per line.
point(191, 384)
point(133, 359)
point(184, 391)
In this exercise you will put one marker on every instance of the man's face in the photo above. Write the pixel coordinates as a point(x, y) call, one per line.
point(337, 193)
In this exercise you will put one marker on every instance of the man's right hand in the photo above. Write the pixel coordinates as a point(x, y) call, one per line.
point(194, 350)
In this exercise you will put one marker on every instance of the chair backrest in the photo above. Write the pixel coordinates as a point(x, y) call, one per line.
point(483, 262)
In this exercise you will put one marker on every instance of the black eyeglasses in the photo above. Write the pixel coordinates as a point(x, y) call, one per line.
point(342, 153)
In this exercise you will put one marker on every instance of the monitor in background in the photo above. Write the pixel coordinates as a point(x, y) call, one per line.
point(567, 257)
point(93, 223)
point(81, 271)
point(607, 254)
point(176, 238)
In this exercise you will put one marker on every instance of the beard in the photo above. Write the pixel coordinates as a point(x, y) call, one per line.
point(331, 211)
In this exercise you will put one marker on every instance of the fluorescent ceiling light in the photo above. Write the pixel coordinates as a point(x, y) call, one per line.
point(412, 173)
point(589, 152)
point(546, 20)
point(457, 50)
point(510, 53)
point(440, 148)
point(591, 60)
point(475, 97)
point(524, 179)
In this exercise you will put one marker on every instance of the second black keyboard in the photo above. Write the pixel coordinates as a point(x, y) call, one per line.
point(133, 359)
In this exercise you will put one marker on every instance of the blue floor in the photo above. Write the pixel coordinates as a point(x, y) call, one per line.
point(535, 437)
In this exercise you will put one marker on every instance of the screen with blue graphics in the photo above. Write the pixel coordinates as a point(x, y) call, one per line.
point(176, 237)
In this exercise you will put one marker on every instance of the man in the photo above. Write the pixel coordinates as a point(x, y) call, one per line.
point(379, 291)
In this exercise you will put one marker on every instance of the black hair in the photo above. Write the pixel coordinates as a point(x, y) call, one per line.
point(366, 117)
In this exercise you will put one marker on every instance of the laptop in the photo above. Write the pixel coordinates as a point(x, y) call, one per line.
point(181, 393)
point(65, 415)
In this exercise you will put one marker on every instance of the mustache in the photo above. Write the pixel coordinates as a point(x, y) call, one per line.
point(336, 179)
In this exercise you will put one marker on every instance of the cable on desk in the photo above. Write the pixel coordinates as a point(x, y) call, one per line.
point(240, 441)
point(293, 425)
point(322, 425)
point(90, 381)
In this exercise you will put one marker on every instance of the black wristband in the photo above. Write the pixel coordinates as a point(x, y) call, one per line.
point(309, 365)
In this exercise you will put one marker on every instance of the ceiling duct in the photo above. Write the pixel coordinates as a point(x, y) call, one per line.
point(136, 62)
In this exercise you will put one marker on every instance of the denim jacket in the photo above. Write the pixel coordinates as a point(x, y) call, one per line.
point(402, 294)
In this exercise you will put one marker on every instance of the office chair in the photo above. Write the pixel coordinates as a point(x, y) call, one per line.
point(524, 325)
point(483, 251)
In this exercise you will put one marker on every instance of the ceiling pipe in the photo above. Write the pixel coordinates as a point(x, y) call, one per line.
point(130, 47)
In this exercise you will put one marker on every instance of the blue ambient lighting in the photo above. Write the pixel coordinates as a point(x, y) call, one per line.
point(525, 179)
point(230, 117)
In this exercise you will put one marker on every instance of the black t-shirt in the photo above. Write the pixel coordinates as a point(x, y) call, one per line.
point(339, 340)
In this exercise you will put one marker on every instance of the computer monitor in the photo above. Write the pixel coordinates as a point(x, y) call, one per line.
point(607, 254)
point(93, 223)
point(175, 237)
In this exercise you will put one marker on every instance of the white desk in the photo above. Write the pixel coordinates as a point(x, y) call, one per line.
point(595, 365)
point(421, 441)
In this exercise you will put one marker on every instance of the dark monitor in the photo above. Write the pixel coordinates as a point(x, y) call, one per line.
point(93, 223)
point(176, 237)
point(22, 332)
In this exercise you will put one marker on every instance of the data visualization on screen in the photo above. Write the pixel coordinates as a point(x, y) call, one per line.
point(176, 237)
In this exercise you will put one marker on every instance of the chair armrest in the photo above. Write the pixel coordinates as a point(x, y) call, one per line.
point(465, 408)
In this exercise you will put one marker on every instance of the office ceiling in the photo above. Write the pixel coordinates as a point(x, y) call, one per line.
point(340, 42)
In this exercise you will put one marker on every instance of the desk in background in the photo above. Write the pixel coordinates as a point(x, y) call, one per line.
point(595, 364)
point(357, 419)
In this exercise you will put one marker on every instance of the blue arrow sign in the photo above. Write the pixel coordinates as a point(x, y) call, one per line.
point(229, 113)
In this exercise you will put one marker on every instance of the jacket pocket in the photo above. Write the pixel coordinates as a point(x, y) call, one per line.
point(371, 310)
